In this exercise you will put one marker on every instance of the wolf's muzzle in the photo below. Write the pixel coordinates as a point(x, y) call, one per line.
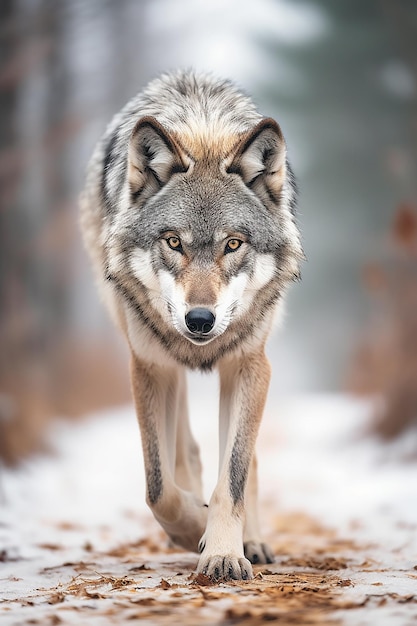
point(199, 321)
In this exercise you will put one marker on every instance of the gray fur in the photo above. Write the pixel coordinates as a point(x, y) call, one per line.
point(204, 201)
point(154, 476)
point(173, 99)
point(185, 169)
point(238, 469)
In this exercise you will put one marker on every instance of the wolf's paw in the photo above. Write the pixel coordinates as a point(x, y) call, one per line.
point(226, 567)
point(258, 552)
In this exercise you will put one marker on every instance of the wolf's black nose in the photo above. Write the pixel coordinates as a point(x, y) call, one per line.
point(199, 320)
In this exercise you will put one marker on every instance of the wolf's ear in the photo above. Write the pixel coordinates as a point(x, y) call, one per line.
point(153, 156)
point(260, 159)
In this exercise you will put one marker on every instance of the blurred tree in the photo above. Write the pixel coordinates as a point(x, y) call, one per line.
point(385, 361)
point(47, 366)
point(66, 67)
point(349, 97)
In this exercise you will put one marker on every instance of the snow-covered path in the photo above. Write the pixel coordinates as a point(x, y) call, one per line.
point(77, 541)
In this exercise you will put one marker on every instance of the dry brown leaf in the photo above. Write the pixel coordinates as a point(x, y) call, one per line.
point(347, 583)
point(140, 568)
point(164, 584)
point(51, 546)
point(56, 598)
point(328, 563)
point(201, 580)
point(65, 525)
point(146, 601)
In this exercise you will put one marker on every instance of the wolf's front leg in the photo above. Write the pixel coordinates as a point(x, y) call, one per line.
point(243, 388)
point(181, 514)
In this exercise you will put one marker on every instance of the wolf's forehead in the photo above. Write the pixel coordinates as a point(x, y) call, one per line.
point(207, 142)
point(191, 237)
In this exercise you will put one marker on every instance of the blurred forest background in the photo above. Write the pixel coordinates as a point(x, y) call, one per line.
point(340, 77)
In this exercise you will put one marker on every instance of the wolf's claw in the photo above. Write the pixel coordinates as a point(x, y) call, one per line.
point(227, 567)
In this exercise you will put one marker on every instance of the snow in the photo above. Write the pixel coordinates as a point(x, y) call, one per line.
point(87, 495)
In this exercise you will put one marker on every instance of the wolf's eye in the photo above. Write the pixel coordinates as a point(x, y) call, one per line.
point(232, 245)
point(174, 243)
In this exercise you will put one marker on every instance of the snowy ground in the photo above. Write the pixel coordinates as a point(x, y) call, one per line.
point(77, 541)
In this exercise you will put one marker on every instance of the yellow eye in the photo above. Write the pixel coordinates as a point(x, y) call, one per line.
point(174, 243)
point(232, 245)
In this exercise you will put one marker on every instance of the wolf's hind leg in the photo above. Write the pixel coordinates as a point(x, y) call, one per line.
point(181, 514)
point(188, 468)
point(255, 550)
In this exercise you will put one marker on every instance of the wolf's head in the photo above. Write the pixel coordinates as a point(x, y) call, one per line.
point(206, 234)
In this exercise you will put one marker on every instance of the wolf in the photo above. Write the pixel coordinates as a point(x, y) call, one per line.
point(188, 214)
